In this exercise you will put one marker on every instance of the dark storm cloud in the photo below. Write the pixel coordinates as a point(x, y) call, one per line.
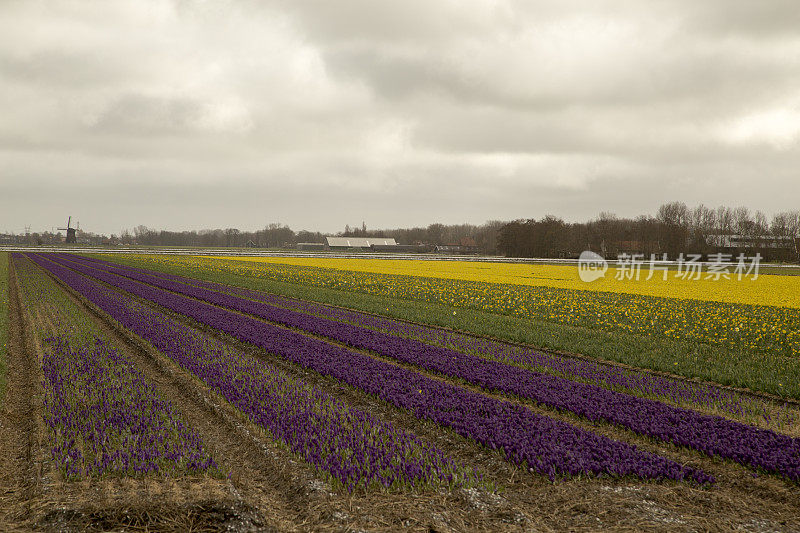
point(193, 114)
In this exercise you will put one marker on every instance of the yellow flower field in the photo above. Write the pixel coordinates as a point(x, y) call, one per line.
point(772, 290)
point(708, 317)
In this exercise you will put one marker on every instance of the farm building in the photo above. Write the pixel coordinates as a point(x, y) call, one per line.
point(402, 248)
point(346, 243)
point(310, 245)
point(456, 249)
point(745, 241)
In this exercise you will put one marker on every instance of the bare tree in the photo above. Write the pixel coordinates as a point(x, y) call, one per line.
point(725, 220)
point(673, 213)
point(743, 223)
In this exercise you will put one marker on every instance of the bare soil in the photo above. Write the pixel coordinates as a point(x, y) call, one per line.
point(32, 495)
point(284, 493)
point(19, 478)
point(660, 504)
point(761, 395)
point(270, 490)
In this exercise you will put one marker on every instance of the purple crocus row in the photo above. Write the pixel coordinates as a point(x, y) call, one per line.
point(105, 419)
point(355, 448)
point(615, 378)
point(713, 435)
point(545, 445)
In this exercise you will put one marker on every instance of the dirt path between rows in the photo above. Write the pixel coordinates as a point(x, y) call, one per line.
point(756, 394)
point(256, 482)
point(34, 497)
point(770, 399)
point(739, 501)
point(19, 478)
point(710, 508)
point(270, 479)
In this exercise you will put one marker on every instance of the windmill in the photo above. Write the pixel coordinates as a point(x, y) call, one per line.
point(71, 238)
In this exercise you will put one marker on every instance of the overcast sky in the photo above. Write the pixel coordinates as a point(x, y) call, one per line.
point(317, 114)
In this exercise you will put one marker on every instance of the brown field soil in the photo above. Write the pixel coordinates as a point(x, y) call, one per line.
point(269, 489)
point(34, 497)
point(765, 397)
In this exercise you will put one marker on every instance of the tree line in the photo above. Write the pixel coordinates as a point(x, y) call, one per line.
point(674, 230)
point(275, 235)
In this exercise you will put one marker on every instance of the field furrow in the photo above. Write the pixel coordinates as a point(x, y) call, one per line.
point(715, 436)
point(351, 446)
point(746, 406)
point(546, 445)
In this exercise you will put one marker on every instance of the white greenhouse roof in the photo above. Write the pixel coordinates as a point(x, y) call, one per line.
point(357, 242)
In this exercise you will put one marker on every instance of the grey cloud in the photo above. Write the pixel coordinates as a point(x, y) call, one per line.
point(145, 115)
point(321, 113)
point(676, 70)
point(56, 68)
point(412, 21)
point(770, 20)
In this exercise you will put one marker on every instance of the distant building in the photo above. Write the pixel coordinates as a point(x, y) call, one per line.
point(402, 248)
point(744, 241)
point(458, 249)
point(311, 246)
point(347, 243)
